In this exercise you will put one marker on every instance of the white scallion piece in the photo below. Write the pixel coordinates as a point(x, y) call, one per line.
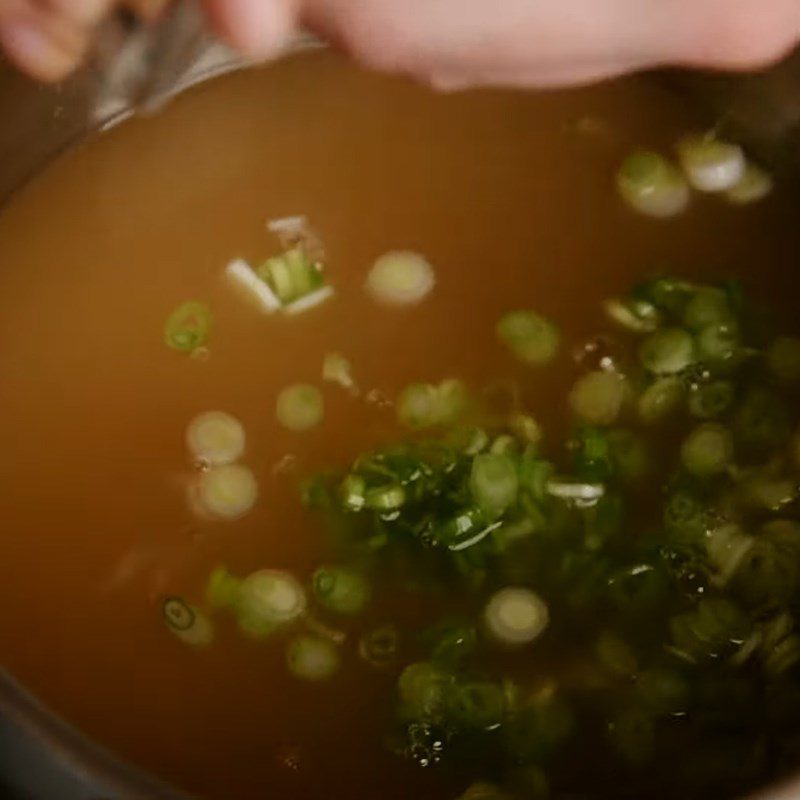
point(300, 407)
point(401, 278)
point(243, 277)
point(309, 301)
point(215, 438)
point(711, 165)
point(288, 226)
point(270, 598)
point(516, 616)
point(226, 492)
point(575, 491)
point(754, 185)
point(337, 369)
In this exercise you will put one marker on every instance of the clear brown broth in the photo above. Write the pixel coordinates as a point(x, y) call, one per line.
point(509, 195)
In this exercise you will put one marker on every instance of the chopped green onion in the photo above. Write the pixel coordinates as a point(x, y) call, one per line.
point(423, 690)
point(423, 405)
point(451, 642)
point(529, 336)
point(309, 301)
point(660, 399)
point(188, 327)
point(341, 590)
point(714, 626)
point(638, 316)
point(754, 185)
point(418, 405)
point(708, 450)
point(593, 458)
point(579, 492)
point(477, 705)
point(717, 343)
point(711, 400)
point(770, 494)
point(667, 351)
point(494, 482)
point(597, 397)
point(227, 492)
point(401, 278)
point(291, 276)
point(385, 498)
point(380, 645)
point(244, 278)
point(708, 306)
point(336, 369)
point(710, 164)
point(215, 438)
point(300, 407)
point(526, 428)
point(268, 599)
point(516, 616)
point(312, 658)
point(783, 359)
point(653, 186)
point(188, 623)
point(727, 547)
point(222, 590)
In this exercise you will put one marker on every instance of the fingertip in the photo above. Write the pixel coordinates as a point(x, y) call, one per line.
point(37, 52)
point(257, 28)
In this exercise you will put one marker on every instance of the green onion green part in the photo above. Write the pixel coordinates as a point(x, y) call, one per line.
point(531, 337)
point(708, 450)
point(753, 186)
point(597, 397)
point(494, 482)
point(668, 351)
point(653, 186)
point(312, 658)
point(341, 590)
point(222, 589)
point(188, 327)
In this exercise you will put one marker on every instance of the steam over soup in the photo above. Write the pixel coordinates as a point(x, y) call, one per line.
point(474, 474)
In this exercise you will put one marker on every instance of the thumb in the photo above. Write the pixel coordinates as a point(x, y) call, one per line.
point(257, 28)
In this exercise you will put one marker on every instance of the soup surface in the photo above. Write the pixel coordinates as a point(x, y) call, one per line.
point(511, 199)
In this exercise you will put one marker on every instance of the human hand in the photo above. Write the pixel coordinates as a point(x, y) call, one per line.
point(451, 43)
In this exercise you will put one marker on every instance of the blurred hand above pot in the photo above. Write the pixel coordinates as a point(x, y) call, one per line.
point(451, 44)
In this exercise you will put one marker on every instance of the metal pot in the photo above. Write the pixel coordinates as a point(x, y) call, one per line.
point(41, 756)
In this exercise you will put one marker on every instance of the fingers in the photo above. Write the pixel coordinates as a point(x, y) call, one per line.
point(45, 46)
point(47, 39)
point(259, 29)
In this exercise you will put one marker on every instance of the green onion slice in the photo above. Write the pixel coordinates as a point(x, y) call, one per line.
point(188, 327)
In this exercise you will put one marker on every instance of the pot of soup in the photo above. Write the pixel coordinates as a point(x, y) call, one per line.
point(363, 442)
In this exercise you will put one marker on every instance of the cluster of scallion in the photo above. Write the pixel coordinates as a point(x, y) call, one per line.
point(662, 544)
